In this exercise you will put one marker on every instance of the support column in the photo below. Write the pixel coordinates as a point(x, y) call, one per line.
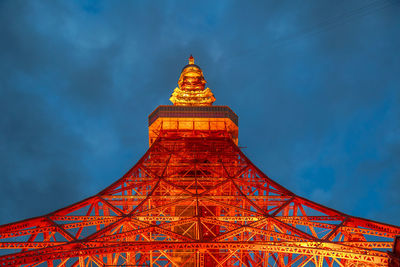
point(200, 258)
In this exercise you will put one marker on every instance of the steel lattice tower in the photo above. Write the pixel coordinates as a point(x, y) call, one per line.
point(194, 199)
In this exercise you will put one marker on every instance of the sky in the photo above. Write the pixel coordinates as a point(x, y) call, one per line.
point(316, 86)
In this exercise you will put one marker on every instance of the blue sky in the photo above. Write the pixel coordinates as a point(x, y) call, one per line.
point(316, 85)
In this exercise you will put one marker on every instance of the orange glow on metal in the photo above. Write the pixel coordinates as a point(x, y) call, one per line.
point(194, 199)
point(193, 127)
point(191, 90)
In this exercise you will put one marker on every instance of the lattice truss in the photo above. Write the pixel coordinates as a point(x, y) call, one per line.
point(196, 201)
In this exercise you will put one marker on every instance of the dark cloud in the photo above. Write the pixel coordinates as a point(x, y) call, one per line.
point(315, 85)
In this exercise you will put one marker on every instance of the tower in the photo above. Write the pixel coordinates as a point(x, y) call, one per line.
point(194, 199)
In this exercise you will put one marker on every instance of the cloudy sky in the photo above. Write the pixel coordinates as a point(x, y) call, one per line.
point(316, 85)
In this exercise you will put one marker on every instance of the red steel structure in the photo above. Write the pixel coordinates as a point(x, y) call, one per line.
point(194, 199)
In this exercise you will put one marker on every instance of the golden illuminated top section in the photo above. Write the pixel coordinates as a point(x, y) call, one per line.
point(191, 90)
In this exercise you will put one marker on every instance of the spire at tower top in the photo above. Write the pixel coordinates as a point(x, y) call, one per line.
point(191, 60)
point(191, 89)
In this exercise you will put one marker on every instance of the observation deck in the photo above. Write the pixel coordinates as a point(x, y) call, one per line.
point(193, 118)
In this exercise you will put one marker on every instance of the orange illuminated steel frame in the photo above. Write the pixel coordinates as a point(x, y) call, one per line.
point(194, 199)
point(193, 120)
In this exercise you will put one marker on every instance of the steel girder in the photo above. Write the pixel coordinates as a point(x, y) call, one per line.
point(196, 201)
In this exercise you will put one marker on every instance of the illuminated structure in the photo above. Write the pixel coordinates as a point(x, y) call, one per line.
point(194, 199)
